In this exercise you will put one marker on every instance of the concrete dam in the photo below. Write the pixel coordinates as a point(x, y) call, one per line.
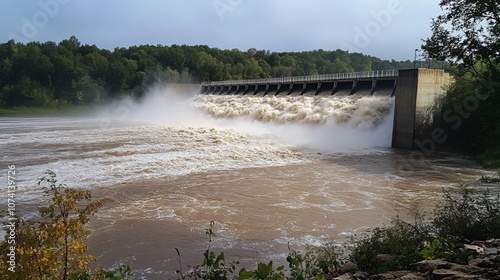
point(416, 94)
point(366, 83)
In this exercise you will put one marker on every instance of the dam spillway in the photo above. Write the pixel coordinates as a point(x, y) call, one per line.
point(338, 84)
point(417, 94)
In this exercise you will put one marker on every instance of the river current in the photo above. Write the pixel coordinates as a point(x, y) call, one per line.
point(270, 172)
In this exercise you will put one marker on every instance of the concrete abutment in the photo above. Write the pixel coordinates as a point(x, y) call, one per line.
point(418, 105)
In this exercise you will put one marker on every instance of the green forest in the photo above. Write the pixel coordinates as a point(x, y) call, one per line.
point(54, 74)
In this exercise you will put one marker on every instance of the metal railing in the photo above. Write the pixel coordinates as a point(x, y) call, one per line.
point(312, 78)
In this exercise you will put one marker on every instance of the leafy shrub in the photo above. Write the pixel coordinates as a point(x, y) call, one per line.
point(213, 267)
point(399, 242)
point(447, 248)
point(326, 259)
point(464, 216)
point(468, 216)
point(316, 263)
point(263, 271)
point(52, 246)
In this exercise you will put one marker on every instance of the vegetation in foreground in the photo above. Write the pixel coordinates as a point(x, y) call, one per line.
point(463, 217)
point(51, 246)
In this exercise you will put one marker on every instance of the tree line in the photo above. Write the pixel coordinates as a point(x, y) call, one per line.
point(48, 74)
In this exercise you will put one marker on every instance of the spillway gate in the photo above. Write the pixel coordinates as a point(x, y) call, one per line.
point(339, 84)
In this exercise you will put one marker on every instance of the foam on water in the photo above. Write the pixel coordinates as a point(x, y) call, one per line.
point(92, 156)
point(328, 123)
point(358, 112)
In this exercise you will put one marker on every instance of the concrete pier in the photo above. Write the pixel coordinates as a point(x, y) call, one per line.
point(417, 105)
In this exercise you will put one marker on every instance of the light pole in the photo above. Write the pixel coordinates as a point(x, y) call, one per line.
point(415, 59)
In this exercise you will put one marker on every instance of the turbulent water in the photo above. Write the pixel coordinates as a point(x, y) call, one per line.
point(358, 111)
point(92, 156)
point(269, 171)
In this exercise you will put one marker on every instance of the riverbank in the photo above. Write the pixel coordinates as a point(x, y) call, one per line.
point(68, 110)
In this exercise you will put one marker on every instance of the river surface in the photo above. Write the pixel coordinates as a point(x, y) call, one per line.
point(270, 173)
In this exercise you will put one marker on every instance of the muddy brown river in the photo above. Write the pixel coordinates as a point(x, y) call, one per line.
point(293, 172)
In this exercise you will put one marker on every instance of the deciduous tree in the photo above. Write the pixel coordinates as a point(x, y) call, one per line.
point(52, 246)
point(467, 32)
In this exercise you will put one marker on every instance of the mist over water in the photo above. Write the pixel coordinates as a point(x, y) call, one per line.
point(327, 123)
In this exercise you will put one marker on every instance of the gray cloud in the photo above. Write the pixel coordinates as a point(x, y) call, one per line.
point(276, 25)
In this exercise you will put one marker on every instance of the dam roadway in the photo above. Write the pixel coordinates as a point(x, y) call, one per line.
point(339, 84)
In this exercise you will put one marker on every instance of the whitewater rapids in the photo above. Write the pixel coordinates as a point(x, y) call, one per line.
point(359, 112)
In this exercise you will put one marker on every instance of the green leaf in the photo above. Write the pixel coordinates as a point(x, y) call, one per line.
point(246, 274)
point(320, 277)
point(220, 257)
point(263, 270)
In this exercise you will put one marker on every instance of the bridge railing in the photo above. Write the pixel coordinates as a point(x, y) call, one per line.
point(311, 78)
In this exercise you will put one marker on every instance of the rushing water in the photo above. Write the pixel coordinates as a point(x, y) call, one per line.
point(269, 171)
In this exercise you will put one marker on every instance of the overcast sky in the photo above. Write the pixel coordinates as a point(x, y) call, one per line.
point(389, 29)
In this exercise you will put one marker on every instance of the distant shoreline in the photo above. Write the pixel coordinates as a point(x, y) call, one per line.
point(69, 110)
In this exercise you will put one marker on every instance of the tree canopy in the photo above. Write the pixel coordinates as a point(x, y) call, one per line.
point(468, 35)
point(468, 32)
point(49, 73)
